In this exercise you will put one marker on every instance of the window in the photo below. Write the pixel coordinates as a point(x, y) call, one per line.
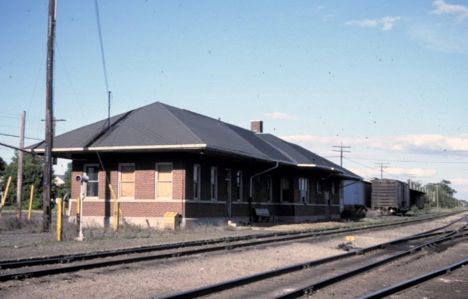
point(127, 180)
point(333, 189)
point(303, 189)
point(228, 184)
point(318, 187)
point(238, 190)
point(269, 188)
point(285, 193)
point(196, 181)
point(92, 171)
point(164, 180)
point(214, 183)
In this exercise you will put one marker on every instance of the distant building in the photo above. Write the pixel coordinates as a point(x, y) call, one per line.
point(159, 158)
point(59, 180)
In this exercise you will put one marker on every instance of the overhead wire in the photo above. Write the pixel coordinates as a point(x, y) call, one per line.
point(373, 168)
point(104, 69)
point(412, 161)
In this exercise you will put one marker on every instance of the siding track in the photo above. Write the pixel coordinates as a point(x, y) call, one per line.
point(251, 291)
point(75, 262)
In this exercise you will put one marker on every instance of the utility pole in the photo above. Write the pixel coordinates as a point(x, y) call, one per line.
point(19, 179)
point(382, 166)
point(341, 149)
point(49, 116)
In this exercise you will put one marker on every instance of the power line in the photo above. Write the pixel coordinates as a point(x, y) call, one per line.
point(341, 149)
point(373, 168)
point(382, 166)
point(103, 58)
point(11, 135)
point(413, 161)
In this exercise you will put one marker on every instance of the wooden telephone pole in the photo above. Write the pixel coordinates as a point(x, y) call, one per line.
point(341, 149)
point(19, 180)
point(49, 116)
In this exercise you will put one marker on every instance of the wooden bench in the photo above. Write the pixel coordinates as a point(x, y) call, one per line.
point(262, 214)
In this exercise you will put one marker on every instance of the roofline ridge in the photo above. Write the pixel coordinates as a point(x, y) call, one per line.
point(179, 121)
point(108, 129)
point(280, 150)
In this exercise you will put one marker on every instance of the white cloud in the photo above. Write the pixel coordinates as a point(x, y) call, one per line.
point(424, 143)
point(282, 116)
point(386, 23)
point(328, 17)
point(458, 10)
point(459, 181)
point(395, 172)
point(411, 172)
point(445, 39)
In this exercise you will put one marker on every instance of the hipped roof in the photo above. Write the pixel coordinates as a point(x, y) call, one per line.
point(159, 126)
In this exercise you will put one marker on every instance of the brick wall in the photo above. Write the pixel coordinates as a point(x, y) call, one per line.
point(144, 183)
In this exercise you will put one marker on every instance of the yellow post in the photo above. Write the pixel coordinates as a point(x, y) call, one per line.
point(59, 219)
point(115, 219)
point(31, 195)
point(78, 212)
point(5, 193)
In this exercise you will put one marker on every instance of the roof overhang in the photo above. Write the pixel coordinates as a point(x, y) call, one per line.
point(126, 148)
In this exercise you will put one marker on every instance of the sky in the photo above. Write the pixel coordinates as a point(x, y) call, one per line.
point(387, 78)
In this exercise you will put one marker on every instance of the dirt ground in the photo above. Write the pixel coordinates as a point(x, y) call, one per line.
point(159, 278)
point(28, 240)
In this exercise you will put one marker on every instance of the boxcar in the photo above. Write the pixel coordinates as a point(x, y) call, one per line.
point(354, 199)
point(390, 196)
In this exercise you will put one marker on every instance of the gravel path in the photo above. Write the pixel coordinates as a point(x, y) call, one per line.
point(160, 278)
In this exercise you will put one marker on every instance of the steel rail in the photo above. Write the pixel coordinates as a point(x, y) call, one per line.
point(329, 281)
point(285, 236)
point(211, 289)
point(414, 281)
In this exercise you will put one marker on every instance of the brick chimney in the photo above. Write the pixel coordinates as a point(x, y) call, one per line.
point(256, 126)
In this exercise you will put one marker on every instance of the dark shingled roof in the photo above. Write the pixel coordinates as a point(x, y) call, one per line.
point(159, 125)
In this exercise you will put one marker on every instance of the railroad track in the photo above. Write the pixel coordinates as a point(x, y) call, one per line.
point(36, 267)
point(262, 285)
point(406, 284)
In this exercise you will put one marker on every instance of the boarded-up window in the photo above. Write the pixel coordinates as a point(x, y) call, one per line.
point(164, 180)
point(127, 180)
point(91, 171)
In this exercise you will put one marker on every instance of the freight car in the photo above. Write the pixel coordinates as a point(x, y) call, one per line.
point(355, 196)
point(390, 196)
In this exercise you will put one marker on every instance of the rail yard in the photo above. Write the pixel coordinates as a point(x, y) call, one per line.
point(259, 265)
point(234, 149)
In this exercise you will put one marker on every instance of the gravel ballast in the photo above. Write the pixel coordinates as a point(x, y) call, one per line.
point(158, 278)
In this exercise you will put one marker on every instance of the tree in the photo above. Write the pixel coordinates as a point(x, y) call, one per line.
point(32, 175)
point(444, 194)
point(2, 166)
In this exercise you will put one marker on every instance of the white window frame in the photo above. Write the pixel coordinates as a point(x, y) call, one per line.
point(156, 174)
point(214, 183)
point(239, 185)
point(197, 175)
point(86, 174)
point(120, 179)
